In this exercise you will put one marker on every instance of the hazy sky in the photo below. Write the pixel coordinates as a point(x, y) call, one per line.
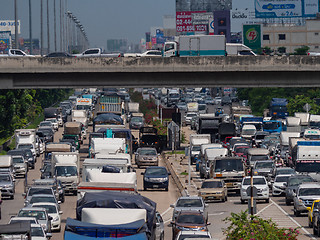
point(102, 19)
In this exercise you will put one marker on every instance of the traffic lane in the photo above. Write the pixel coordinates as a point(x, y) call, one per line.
point(161, 197)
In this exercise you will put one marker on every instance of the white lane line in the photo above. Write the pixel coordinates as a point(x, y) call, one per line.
point(216, 214)
point(302, 228)
point(165, 222)
point(166, 211)
point(264, 208)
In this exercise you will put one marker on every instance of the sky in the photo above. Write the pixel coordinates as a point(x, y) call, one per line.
point(101, 19)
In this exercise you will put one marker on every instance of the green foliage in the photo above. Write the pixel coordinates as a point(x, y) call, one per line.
point(266, 51)
point(241, 227)
point(75, 51)
point(281, 49)
point(259, 98)
point(301, 51)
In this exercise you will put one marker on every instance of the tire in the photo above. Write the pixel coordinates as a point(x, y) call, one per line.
point(162, 236)
point(144, 189)
point(296, 213)
point(12, 197)
point(318, 230)
point(226, 198)
point(201, 175)
point(267, 200)
point(242, 201)
point(62, 199)
point(314, 230)
point(288, 202)
point(75, 193)
point(310, 223)
point(166, 189)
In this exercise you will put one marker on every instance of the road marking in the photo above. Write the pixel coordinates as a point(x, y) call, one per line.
point(264, 208)
point(166, 211)
point(165, 222)
point(216, 214)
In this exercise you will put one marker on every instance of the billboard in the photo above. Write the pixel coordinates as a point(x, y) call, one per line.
point(5, 41)
point(286, 8)
point(252, 36)
point(8, 25)
point(184, 21)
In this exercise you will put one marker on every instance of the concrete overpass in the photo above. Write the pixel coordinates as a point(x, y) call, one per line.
point(233, 71)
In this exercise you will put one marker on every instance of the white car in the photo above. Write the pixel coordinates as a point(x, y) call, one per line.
point(54, 123)
point(37, 233)
point(53, 211)
point(260, 183)
point(150, 53)
point(189, 116)
point(278, 187)
point(183, 235)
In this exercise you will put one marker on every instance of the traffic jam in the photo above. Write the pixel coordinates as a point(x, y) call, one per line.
point(98, 167)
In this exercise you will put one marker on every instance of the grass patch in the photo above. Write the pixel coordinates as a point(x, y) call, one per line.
point(176, 152)
point(184, 173)
point(36, 122)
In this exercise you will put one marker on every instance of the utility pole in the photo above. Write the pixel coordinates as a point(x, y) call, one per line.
point(48, 27)
point(55, 25)
point(41, 27)
point(30, 27)
point(16, 23)
point(61, 26)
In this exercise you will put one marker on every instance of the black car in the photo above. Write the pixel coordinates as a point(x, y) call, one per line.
point(30, 157)
point(226, 100)
point(59, 54)
point(156, 177)
point(46, 170)
point(46, 134)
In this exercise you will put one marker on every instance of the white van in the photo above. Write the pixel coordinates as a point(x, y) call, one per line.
point(248, 131)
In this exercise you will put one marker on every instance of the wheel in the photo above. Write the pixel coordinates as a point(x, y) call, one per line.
point(226, 198)
point(166, 189)
point(267, 200)
point(75, 193)
point(296, 213)
point(223, 199)
point(144, 189)
point(12, 197)
point(62, 199)
point(201, 175)
point(162, 236)
point(288, 202)
point(309, 223)
point(318, 230)
point(242, 201)
point(314, 230)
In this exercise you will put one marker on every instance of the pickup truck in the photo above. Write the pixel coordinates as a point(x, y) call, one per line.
point(16, 53)
point(96, 52)
point(313, 53)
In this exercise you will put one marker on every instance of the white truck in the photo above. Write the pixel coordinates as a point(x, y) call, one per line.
point(97, 181)
point(133, 107)
point(26, 138)
point(238, 49)
point(173, 96)
point(304, 118)
point(196, 140)
point(285, 136)
point(80, 116)
point(107, 146)
point(210, 155)
point(196, 45)
point(293, 124)
point(192, 107)
point(84, 104)
point(96, 52)
point(66, 168)
point(6, 164)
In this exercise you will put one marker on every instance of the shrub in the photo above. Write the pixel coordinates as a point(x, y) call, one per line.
point(243, 228)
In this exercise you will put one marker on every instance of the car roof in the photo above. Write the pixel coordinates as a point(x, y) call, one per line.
point(32, 209)
point(212, 180)
point(190, 197)
point(44, 203)
point(310, 185)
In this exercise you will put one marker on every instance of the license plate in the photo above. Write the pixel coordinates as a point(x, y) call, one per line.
point(155, 186)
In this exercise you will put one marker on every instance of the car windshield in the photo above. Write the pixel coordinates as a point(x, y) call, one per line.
point(271, 125)
point(264, 165)
point(259, 157)
point(285, 171)
point(256, 181)
point(49, 208)
point(136, 119)
point(298, 181)
point(25, 146)
point(196, 148)
point(36, 199)
point(33, 191)
point(17, 160)
point(39, 215)
point(4, 178)
point(37, 232)
point(241, 149)
point(281, 179)
point(21, 220)
point(46, 124)
point(187, 236)
point(309, 191)
point(189, 203)
point(148, 152)
point(248, 132)
point(228, 165)
point(212, 184)
point(156, 171)
point(66, 171)
point(191, 219)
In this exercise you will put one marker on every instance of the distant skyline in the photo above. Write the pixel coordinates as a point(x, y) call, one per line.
point(101, 19)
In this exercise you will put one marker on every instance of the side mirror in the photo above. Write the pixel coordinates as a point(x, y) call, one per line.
point(208, 223)
point(169, 173)
point(171, 205)
point(49, 235)
point(142, 173)
point(50, 218)
point(60, 212)
point(59, 202)
point(309, 208)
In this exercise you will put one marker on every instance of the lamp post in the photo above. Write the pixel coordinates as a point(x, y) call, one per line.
point(16, 23)
point(30, 27)
point(41, 27)
point(48, 27)
point(55, 25)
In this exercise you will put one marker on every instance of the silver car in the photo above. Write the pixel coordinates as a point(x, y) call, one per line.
point(146, 157)
point(189, 203)
point(304, 197)
point(7, 185)
point(40, 214)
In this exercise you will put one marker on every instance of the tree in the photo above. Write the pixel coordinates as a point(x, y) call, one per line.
point(301, 51)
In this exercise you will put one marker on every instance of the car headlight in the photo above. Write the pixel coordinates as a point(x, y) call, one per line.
point(265, 189)
point(183, 228)
point(147, 179)
point(56, 219)
point(201, 228)
point(165, 179)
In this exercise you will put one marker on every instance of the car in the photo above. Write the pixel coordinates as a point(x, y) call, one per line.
point(30, 158)
point(315, 207)
point(182, 106)
point(43, 198)
point(189, 203)
point(53, 212)
point(156, 177)
point(189, 220)
point(159, 230)
point(292, 185)
point(150, 53)
point(136, 122)
point(35, 190)
point(189, 116)
point(38, 233)
point(46, 124)
point(278, 184)
point(46, 134)
point(20, 165)
point(146, 156)
point(46, 170)
point(304, 197)
point(213, 189)
point(226, 100)
point(260, 183)
point(53, 183)
point(263, 168)
point(59, 54)
point(217, 100)
point(282, 170)
point(188, 235)
point(54, 122)
point(7, 185)
point(40, 214)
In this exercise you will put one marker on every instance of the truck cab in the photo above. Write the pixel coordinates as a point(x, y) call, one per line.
point(170, 49)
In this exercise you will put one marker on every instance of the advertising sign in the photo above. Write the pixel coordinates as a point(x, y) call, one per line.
point(285, 8)
point(252, 36)
point(160, 36)
point(8, 25)
point(5, 41)
point(184, 21)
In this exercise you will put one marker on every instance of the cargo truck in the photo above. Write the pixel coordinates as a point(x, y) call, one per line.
point(278, 108)
point(26, 138)
point(110, 103)
point(196, 140)
point(73, 130)
point(196, 45)
point(66, 168)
